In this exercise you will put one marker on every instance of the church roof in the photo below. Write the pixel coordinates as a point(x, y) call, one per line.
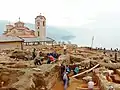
point(41, 16)
point(37, 39)
point(19, 22)
point(27, 36)
point(22, 28)
point(9, 25)
point(5, 38)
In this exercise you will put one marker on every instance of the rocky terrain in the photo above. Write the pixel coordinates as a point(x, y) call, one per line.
point(18, 72)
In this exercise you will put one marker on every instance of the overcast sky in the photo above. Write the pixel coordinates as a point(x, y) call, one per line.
point(58, 12)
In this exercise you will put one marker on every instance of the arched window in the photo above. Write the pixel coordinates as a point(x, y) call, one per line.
point(38, 23)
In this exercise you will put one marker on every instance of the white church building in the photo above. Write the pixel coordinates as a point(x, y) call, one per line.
point(37, 36)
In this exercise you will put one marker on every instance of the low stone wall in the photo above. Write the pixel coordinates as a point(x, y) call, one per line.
point(86, 89)
point(40, 78)
point(52, 77)
point(104, 83)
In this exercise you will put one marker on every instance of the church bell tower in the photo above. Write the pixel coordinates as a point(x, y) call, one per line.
point(40, 27)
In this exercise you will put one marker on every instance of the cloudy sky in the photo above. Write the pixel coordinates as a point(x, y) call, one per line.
point(72, 13)
point(83, 18)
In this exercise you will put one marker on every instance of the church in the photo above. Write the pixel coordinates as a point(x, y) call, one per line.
point(30, 36)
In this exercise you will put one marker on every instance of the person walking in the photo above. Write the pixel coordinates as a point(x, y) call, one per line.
point(90, 85)
point(65, 80)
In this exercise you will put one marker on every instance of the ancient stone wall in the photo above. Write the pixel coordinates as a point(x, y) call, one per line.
point(104, 83)
point(41, 78)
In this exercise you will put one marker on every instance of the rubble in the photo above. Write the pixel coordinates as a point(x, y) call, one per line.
point(20, 55)
point(27, 76)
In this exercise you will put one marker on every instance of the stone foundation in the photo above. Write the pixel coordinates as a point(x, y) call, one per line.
point(41, 78)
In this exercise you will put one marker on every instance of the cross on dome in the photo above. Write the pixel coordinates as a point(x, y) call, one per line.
point(19, 19)
point(40, 14)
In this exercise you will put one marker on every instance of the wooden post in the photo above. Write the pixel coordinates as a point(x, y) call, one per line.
point(92, 42)
point(21, 45)
point(25, 43)
point(44, 43)
point(52, 43)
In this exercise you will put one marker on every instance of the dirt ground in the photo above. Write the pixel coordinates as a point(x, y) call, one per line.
point(59, 86)
point(26, 67)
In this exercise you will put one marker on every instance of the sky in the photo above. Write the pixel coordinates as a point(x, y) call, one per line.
point(65, 13)
point(83, 18)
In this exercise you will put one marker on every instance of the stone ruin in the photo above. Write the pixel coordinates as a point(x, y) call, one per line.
point(41, 78)
point(29, 77)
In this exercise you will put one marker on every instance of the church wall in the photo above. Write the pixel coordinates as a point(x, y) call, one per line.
point(16, 32)
point(11, 32)
point(10, 45)
point(8, 27)
point(28, 33)
point(40, 28)
point(20, 32)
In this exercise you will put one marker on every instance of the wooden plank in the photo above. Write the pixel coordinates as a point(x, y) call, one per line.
point(87, 89)
point(86, 71)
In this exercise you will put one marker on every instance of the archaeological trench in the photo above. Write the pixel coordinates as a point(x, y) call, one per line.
point(18, 72)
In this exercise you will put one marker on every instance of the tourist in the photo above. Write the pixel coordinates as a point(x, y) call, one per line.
point(110, 87)
point(74, 66)
point(67, 69)
point(91, 64)
point(90, 85)
point(55, 55)
point(48, 59)
point(116, 56)
point(51, 59)
point(104, 52)
point(76, 70)
point(65, 48)
point(33, 53)
point(111, 49)
point(65, 80)
point(38, 59)
point(62, 70)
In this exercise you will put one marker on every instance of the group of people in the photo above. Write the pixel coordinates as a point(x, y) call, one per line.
point(64, 75)
point(65, 72)
point(52, 57)
point(39, 57)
